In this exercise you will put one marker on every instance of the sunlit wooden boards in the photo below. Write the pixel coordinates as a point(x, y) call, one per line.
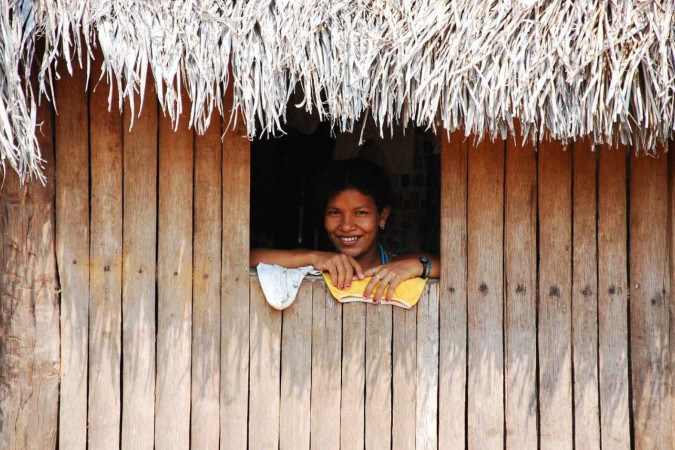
point(650, 327)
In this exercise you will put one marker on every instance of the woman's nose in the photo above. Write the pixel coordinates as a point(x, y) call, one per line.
point(347, 223)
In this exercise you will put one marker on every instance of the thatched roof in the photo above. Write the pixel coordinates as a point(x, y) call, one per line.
point(564, 68)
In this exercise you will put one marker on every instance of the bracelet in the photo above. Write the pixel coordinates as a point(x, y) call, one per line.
point(426, 266)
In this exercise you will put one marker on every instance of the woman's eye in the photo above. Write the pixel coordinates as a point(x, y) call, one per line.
point(333, 212)
point(361, 213)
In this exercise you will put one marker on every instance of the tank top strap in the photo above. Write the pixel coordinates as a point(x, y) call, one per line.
point(384, 258)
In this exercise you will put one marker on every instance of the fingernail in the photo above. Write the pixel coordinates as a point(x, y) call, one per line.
point(347, 286)
point(362, 275)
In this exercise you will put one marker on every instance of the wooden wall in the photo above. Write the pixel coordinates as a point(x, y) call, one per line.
point(129, 318)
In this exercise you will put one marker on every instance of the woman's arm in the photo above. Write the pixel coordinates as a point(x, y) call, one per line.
point(387, 277)
point(342, 268)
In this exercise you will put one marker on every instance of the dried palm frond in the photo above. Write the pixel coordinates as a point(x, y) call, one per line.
point(564, 69)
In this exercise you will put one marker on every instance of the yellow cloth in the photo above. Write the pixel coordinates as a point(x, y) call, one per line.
point(406, 295)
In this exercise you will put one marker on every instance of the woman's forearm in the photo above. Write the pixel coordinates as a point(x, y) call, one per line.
point(285, 258)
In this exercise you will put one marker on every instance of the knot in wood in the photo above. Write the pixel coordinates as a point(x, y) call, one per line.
point(106, 268)
point(451, 289)
point(612, 290)
point(554, 291)
point(175, 274)
point(483, 288)
point(587, 291)
point(520, 289)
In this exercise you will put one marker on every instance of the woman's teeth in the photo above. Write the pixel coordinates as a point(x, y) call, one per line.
point(349, 239)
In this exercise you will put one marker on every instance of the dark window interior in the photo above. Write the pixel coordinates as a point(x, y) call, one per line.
point(283, 174)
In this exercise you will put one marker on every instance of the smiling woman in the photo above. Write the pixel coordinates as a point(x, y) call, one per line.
point(355, 197)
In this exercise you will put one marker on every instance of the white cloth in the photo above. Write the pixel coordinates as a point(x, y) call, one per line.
point(280, 285)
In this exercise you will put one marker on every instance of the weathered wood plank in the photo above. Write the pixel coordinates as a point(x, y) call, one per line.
point(296, 371)
point(378, 377)
point(205, 397)
point(649, 308)
point(72, 254)
point(405, 382)
point(265, 371)
point(352, 407)
point(520, 309)
point(584, 298)
point(105, 308)
point(613, 299)
point(139, 257)
point(555, 261)
point(45, 301)
point(427, 370)
point(234, 307)
point(453, 295)
point(174, 285)
point(326, 355)
point(485, 426)
point(29, 310)
point(671, 297)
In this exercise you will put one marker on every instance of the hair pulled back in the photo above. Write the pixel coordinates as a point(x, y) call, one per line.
point(360, 174)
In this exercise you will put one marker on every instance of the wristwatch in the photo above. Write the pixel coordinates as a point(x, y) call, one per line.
point(426, 266)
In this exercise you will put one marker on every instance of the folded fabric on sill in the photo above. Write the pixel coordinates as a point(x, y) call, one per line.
point(280, 284)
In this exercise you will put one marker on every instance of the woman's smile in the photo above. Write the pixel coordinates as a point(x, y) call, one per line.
point(352, 221)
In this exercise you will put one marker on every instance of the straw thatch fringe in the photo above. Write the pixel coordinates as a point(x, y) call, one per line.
point(565, 69)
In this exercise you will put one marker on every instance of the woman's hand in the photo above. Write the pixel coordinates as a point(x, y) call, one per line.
point(387, 277)
point(342, 268)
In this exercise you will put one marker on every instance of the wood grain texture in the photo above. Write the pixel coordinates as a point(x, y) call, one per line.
point(649, 306)
point(174, 284)
point(234, 306)
point(139, 264)
point(378, 376)
point(613, 299)
point(205, 395)
point(485, 426)
point(520, 309)
point(29, 310)
point(352, 405)
point(555, 262)
point(453, 294)
point(72, 255)
point(296, 371)
point(585, 298)
point(265, 371)
point(427, 369)
point(671, 258)
point(45, 301)
point(105, 277)
point(326, 359)
point(404, 377)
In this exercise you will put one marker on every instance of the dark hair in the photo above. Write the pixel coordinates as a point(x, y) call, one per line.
point(360, 174)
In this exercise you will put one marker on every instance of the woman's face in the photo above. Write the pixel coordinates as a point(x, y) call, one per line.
point(352, 222)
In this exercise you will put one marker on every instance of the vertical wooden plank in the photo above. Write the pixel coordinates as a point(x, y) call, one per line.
point(326, 354)
point(485, 288)
point(205, 413)
point(139, 258)
point(452, 294)
point(105, 309)
point(45, 301)
point(352, 406)
point(555, 261)
point(649, 306)
point(405, 382)
point(296, 371)
point(234, 307)
point(584, 298)
point(427, 369)
point(72, 254)
point(671, 258)
point(378, 377)
point(174, 284)
point(265, 375)
point(29, 311)
point(613, 299)
point(520, 310)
